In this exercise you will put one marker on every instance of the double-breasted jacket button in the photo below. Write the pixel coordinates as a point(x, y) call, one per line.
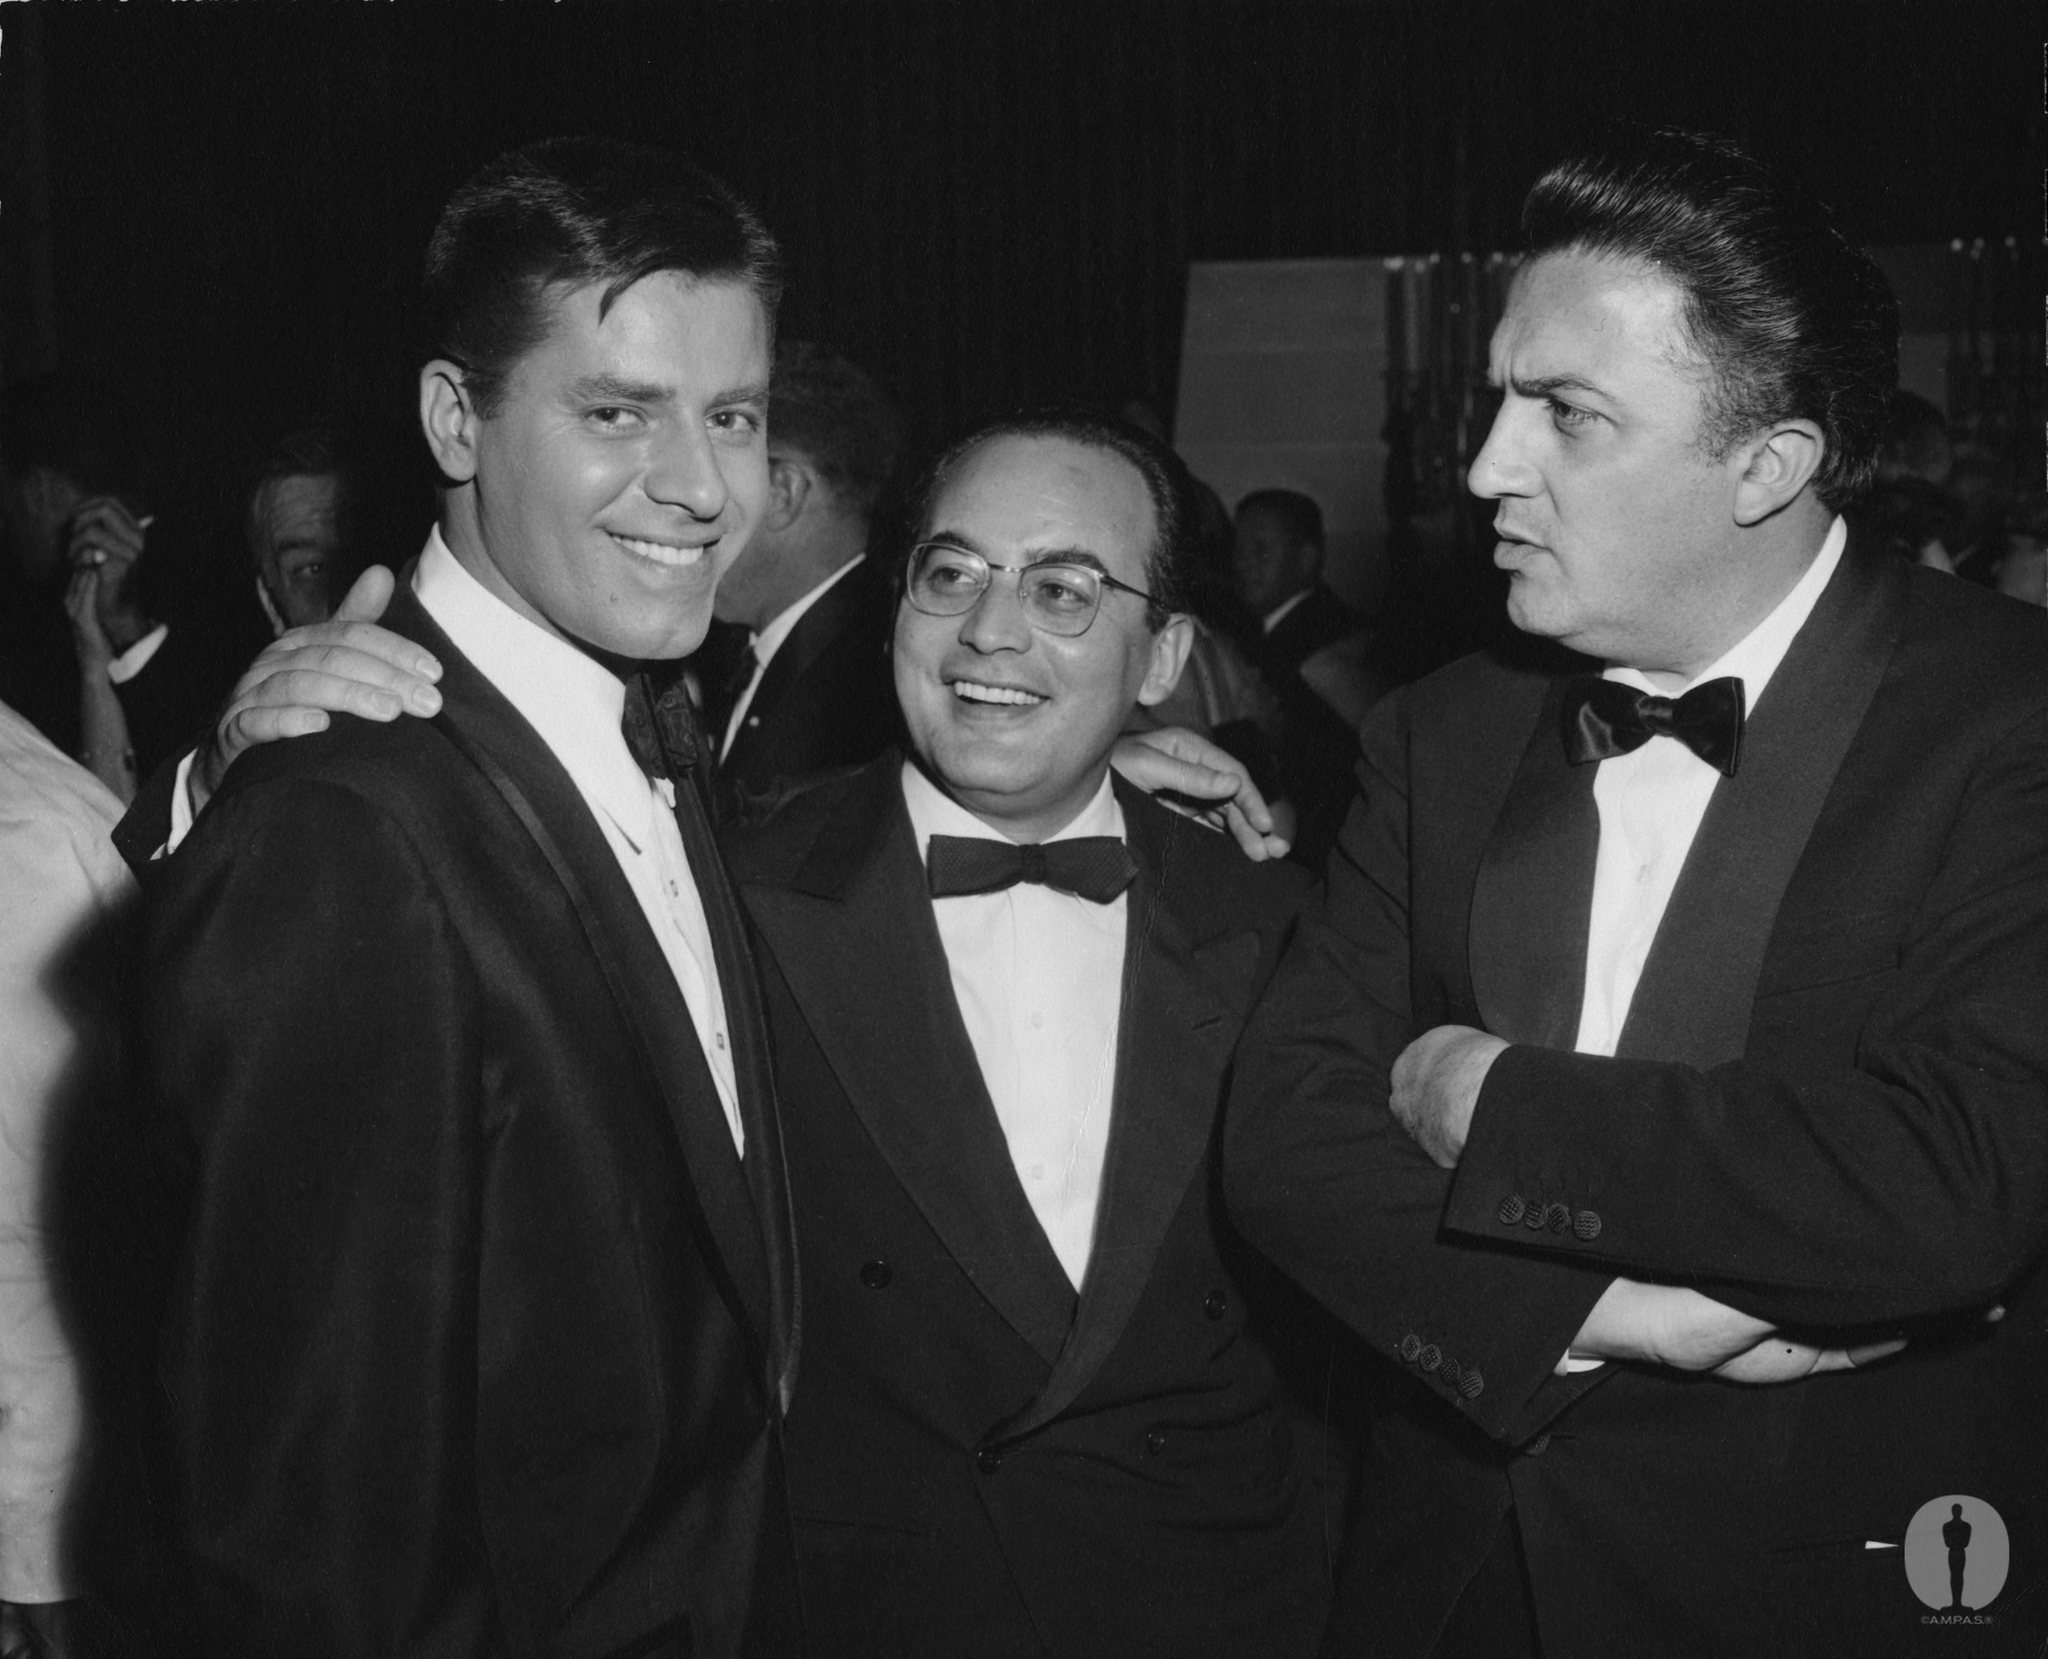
point(1155, 1443)
point(1511, 1208)
point(1471, 1385)
point(877, 1274)
point(1587, 1225)
point(1215, 1304)
point(988, 1460)
point(1557, 1217)
point(1411, 1345)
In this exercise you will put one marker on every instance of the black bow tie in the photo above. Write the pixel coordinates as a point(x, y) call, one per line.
point(1096, 867)
point(659, 724)
point(1604, 718)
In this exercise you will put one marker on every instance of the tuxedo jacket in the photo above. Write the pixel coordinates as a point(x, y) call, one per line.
point(827, 698)
point(1317, 748)
point(1829, 1107)
point(482, 1330)
point(1318, 621)
point(980, 1459)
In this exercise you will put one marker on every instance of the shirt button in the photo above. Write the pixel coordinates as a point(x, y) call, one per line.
point(1155, 1443)
point(988, 1462)
point(877, 1274)
point(1216, 1304)
point(719, 1038)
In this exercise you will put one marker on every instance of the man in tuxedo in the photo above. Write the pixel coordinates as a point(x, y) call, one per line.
point(1038, 1415)
point(485, 1321)
point(807, 686)
point(1705, 960)
point(1314, 651)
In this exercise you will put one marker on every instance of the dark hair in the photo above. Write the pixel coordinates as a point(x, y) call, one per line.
point(68, 423)
point(1166, 482)
point(1298, 514)
point(832, 411)
point(383, 504)
point(572, 211)
point(1902, 515)
point(1790, 318)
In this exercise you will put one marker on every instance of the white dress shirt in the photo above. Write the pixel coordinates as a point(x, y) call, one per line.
point(1651, 802)
point(1039, 978)
point(767, 642)
point(574, 705)
point(60, 878)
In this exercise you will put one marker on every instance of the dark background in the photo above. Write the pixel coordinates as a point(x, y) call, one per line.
point(221, 207)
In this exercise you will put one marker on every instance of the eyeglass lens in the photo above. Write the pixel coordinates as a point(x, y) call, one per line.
point(1061, 599)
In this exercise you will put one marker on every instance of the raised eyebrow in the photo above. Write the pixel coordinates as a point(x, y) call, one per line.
point(609, 388)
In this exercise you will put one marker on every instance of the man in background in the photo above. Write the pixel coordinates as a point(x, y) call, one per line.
point(808, 687)
point(1313, 650)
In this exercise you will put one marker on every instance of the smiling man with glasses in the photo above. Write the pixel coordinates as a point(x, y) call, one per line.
point(1003, 989)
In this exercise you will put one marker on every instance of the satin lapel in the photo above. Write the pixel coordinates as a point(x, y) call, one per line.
point(854, 936)
point(1173, 1040)
point(1695, 998)
point(499, 742)
point(1533, 894)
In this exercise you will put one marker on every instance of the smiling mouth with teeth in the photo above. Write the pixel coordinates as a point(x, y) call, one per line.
point(658, 552)
point(974, 692)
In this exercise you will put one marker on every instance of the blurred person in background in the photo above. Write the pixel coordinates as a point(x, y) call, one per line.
point(798, 679)
point(1315, 652)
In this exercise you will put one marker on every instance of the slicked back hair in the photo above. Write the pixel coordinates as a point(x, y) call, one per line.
point(564, 213)
point(1790, 319)
point(831, 411)
point(1167, 561)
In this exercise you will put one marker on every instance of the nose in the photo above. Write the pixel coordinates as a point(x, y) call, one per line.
point(684, 470)
point(1499, 469)
point(997, 622)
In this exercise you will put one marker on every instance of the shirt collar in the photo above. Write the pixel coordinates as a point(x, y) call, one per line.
point(769, 640)
point(573, 702)
point(934, 812)
point(1754, 658)
point(1278, 614)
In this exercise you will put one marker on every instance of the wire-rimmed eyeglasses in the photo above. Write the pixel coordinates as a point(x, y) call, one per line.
point(944, 580)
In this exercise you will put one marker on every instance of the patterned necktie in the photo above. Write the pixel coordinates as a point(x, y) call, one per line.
point(661, 727)
point(1604, 718)
point(1094, 867)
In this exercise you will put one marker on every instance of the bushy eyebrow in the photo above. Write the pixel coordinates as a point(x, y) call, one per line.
point(610, 388)
point(1047, 556)
point(1549, 385)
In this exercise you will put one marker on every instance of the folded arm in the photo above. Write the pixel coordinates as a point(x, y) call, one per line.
point(1902, 1176)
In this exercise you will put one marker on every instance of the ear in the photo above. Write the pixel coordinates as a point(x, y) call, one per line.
point(790, 480)
point(1170, 647)
point(1773, 467)
point(448, 417)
